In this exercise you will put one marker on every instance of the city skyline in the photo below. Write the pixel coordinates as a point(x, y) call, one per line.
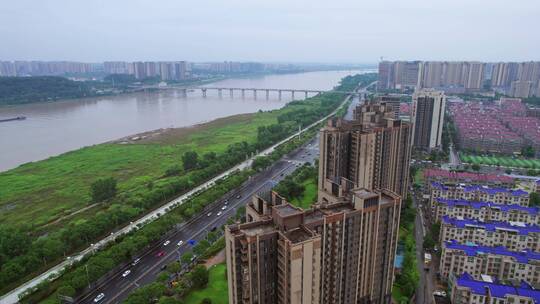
point(274, 31)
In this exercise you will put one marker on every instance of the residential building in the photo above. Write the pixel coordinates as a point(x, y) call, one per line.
point(515, 236)
point(386, 75)
point(498, 262)
point(372, 151)
point(428, 118)
point(496, 195)
point(485, 211)
point(448, 177)
point(521, 89)
point(466, 290)
point(339, 251)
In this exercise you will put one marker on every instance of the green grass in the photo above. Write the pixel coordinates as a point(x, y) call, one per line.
point(216, 290)
point(419, 177)
point(40, 192)
point(501, 161)
point(309, 196)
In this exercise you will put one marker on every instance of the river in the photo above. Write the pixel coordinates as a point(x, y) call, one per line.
point(58, 127)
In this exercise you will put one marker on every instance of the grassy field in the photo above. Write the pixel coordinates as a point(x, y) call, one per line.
point(216, 289)
point(41, 192)
point(501, 161)
point(309, 196)
point(419, 177)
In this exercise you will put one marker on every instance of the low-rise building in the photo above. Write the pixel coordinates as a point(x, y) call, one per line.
point(497, 195)
point(467, 290)
point(485, 211)
point(487, 179)
point(499, 262)
point(515, 236)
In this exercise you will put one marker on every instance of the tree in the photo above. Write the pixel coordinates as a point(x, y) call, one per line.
point(172, 171)
point(174, 267)
point(201, 247)
point(199, 276)
point(190, 160)
point(476, 167)
point(186, 258)
point(206, 301)
point(429, 242)
point(103, 189)
point(528, 151)
point(168, 300)
point(163, 277)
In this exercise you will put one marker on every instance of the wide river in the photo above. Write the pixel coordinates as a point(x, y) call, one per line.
point(57, 127)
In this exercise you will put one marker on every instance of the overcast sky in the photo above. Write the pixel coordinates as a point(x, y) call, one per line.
point(353, 31)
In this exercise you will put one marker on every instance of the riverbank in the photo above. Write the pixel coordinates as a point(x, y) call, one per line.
point(33, 195)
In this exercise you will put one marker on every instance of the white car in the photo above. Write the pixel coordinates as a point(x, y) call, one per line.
point(439, 293)
point(224, 207)
point(99, 297)
point(167, 242)
point(180, 243)
point(209, 214)
point(126, 273)
point(135, 262)
point(219, 213)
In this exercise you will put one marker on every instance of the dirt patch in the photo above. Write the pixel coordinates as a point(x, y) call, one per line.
point(176, 135)
point(217, 259)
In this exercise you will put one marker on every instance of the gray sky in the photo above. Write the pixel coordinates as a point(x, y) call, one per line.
point(356, 31)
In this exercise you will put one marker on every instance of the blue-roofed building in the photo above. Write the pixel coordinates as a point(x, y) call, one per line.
point(497, 261)
point(515, 236)
point(467, 290)
point(496, 195)
point(485, 211)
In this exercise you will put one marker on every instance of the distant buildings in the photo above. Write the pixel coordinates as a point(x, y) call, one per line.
point(174, 70)
point(513, 78)
point(500, 128)
point(44, 68)
point(497, 195)
point(342, 249)
point(428, 109)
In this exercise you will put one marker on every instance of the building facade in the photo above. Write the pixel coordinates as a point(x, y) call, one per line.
point(373, 151)
point(498, 262)
point(428, 117)
point(515, 236)
point(339, 251)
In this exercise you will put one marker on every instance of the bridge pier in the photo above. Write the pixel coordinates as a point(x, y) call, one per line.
point(231, 92)
point(203, 92)
point(243, 93)
point(267, 94)
point(220, 93)
point(254, 94)
point(279, 94)
point(305, 92)
point(292, 94)
point(183, 93)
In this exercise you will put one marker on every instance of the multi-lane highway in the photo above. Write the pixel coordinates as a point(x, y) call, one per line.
point(117, 287)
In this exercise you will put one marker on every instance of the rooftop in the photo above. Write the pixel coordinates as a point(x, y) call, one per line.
point(467, 176)
point(519, 228)
point(474, 250)
point(485, 189)
point(452, 203)
point(496, 289)
point(287, 210)
point(298, 235)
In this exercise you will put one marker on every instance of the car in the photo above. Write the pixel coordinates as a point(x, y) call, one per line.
point(99, 297)
point(160, 253)
point(224, 207)
point(226, 201)
point(135, 262)
point(439, 293)
point(163, 267)
point(213, 228)
point(239, 196)
point(180, 243)
point(219, 213)
point(209, 214)
point(167, 242)
point(126, 273)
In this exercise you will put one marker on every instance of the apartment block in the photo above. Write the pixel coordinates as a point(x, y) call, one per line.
point(373, 151)
point(467, 290)
point(496, 195)
point(339, 251)
point(515, 236)
point(485, 211)
point(447, 177)
point(428, 118)
point(498, 262)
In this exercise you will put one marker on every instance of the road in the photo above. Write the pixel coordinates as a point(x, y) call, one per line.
point(427, 278)
point(454, 157)
point(13, 296)
point(118, 288)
